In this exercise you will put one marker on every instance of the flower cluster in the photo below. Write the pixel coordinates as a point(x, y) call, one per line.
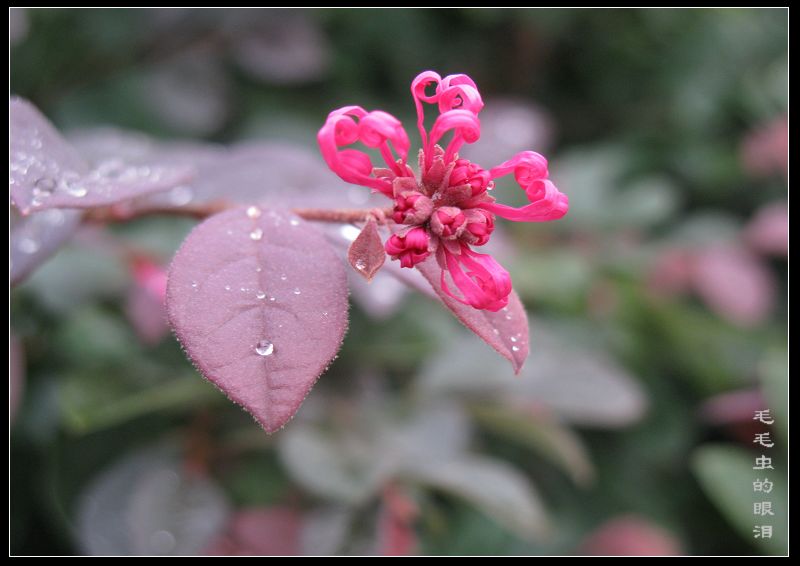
point(446, 209)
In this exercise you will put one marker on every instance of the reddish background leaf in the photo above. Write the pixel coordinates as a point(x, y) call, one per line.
point(259, 279)
point(506, 330)
point(268, 531)
point(366, 253)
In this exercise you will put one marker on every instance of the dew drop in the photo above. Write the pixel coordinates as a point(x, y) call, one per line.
point(272, 299)
point(227, 287)
point(194, 284)
point(296, 291)
point(513, 338)
point(361, 265)
point(265, 348)
point(71, 184)
point(253, 212)
point(45, 185)
point(181, 195)
point(28, 246)
point(294, 222)
point(283, 277)
point(515, 348)
point(260, 295)
point(256, 234)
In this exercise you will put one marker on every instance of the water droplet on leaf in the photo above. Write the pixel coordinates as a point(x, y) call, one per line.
point(265, 348)
point(181, 195)
point(253, 212)
point(256, 234)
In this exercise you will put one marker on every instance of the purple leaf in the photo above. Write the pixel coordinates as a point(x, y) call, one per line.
point(259, 301)
point(366, 253)
point(506, 330)
point(39, 157)
point(36, 237)
point(46, 172)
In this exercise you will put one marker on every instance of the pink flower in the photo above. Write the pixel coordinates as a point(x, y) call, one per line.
point(448, 202)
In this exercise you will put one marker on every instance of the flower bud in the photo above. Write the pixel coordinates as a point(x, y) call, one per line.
point(479, 226)
point(412, 207)
point(467, 173)
point(410, 248)
point(448, 222)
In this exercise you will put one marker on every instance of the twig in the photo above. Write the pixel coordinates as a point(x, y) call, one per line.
point(113, 214)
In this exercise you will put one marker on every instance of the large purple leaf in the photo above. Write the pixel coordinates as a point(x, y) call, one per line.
point(259, 301)
point(46, 172)
point(505, 330)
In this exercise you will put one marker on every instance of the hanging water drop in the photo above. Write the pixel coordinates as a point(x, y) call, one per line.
point(265, 348)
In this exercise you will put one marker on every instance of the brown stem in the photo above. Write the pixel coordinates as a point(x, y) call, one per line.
point(200, 211)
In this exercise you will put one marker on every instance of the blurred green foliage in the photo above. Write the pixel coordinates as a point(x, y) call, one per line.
point(649, 110)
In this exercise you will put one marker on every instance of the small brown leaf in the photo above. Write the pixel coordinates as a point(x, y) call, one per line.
point(366, 253)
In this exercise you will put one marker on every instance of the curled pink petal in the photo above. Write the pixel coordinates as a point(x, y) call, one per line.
point(549, 204)
point(376, 129)
point(418, 87)
point(459, 91)
point(350, 124)
point(410, 248)
point(484, 285)
point(465, 126)
point(527, 166)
